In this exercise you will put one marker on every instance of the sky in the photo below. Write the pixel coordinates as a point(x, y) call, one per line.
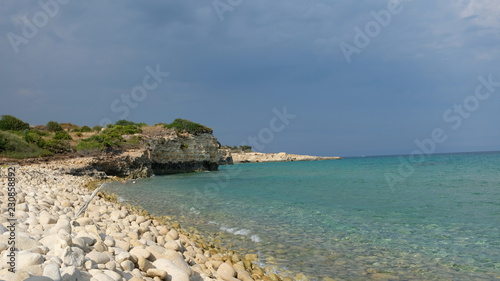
point(330, 78)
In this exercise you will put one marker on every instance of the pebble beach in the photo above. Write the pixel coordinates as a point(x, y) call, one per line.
point(106, 242)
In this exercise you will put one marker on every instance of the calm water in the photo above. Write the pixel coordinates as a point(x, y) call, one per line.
point(341, 219)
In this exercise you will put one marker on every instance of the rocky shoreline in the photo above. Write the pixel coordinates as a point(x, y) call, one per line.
point(254, 157)
point(108, 241)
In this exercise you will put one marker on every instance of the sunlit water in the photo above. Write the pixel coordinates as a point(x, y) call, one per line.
point(341, 219)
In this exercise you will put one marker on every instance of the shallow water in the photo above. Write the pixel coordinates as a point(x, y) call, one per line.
point(341, 219)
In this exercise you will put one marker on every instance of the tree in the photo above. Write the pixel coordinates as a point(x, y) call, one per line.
point(11, 123)
point(53, 126)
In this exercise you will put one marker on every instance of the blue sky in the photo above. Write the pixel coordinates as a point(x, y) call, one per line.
point(233, 64)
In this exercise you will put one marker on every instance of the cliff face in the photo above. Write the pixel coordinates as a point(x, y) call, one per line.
point(251, 157)
point(167, 153)
point(188, 153)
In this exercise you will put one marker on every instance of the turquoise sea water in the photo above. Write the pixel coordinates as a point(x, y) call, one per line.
point(341, 219)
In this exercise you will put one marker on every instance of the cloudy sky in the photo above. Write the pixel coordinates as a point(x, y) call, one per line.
point(364, 77)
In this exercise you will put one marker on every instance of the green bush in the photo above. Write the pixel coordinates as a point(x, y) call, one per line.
point(125, 123)
point(100, 142)
point(53, 126)
point(57, 146)
point(85, 129)
point(62, 135)
point(129, 123)
point(35, 137)
point(97, 128)
point(13, 146)
point(186, 126)
point(89, 146)
point(11, 123)
point(122, 130)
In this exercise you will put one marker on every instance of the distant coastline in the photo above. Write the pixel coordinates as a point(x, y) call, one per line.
point(254, 157)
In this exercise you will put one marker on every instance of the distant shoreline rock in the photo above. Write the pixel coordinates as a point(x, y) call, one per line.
point(254, 157)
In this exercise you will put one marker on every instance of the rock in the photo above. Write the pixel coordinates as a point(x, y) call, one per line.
point(98, 257)
point(84, 221)
point(178, 260)
point(122, 244)
point(52, 271)
point(73, 256)
point(111, 265)
point(140, 252)
point(71, 273)
point(103, 277)
point(154, 272)
point(100, 246)
point(38, 278)
point(226, 272)
point(174, 272)
point(174, 235)
point(241, 273)
point(114, 275)
point(109, 241)
point(272, 277)
point(163, 230)
point(122, 256)
point(301, 277)
point(173, 245)
point(62, 223)
point(25, 259)
point(46, 218)
point(3, 246)
point(144, 264)
point(18, 276)
point(127, 265)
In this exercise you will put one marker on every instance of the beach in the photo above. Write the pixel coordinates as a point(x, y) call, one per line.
point(107, 241)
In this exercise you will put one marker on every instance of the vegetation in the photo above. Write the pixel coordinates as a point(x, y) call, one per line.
point(57, 146)
point(18, 140)
point(53, 126)
point(13, 146)
point(243, 148)
point(109, 138)
point(11, 123)
point(186, 126)
point(84, 129)
point(62, 135)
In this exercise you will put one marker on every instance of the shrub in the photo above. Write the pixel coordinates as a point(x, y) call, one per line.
point(122, 130)
point(97, 128)
point(85, 129)
point(13, 146)
point(11, 123)
point(62, 135)
point(99, 142)
point(124, 123)
point(53, 126)
point(184, 146)
point(35, 137)
point(186, 126)
point(57, 146)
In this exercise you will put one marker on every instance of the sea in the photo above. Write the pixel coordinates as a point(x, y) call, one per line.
point(436, 217)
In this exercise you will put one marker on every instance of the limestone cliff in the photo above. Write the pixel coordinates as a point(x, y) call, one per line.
point(165, 153)
point(251, 157)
